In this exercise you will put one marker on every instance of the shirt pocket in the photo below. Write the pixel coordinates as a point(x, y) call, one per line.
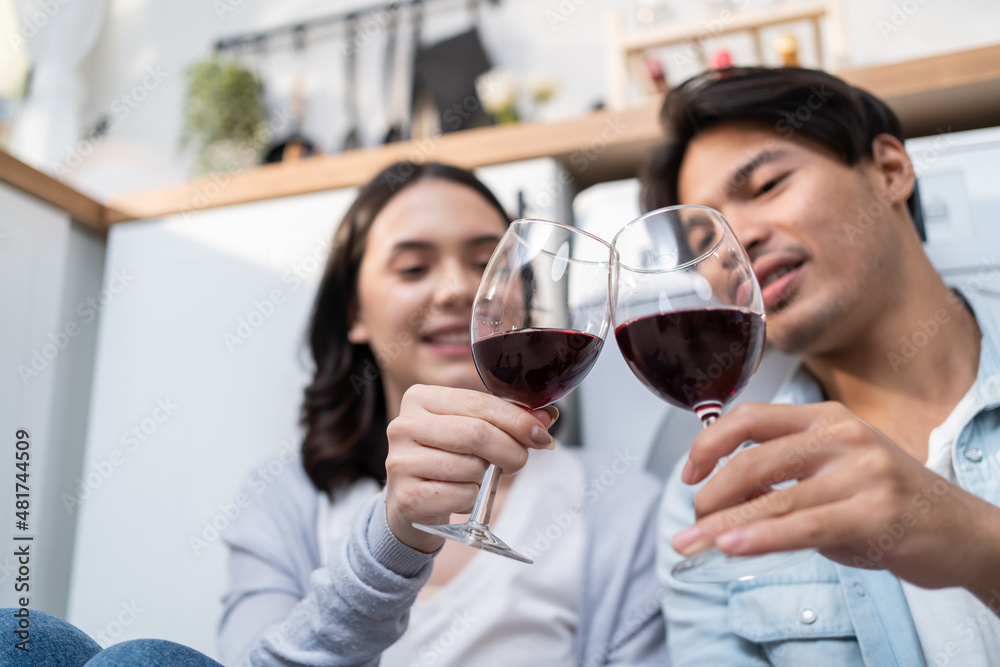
point(796, 623)
point(790, 611)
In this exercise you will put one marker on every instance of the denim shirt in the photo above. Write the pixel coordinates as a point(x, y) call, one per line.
point(819, 613)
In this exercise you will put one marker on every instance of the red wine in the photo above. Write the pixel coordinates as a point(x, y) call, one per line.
point(535, 367)
point(693, 357)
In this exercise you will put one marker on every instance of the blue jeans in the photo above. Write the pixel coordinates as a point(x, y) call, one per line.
point(52, 642)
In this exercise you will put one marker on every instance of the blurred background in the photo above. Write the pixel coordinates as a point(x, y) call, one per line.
point(115, 72)
point(171, 174)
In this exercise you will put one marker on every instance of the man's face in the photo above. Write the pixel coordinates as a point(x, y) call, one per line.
point(795, 207)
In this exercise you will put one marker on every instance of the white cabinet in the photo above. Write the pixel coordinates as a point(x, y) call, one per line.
point(200, 367)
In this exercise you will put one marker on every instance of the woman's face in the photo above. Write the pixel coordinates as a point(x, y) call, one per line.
point(419, 274)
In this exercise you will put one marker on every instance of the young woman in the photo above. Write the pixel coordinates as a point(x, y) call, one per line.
point(325, 566)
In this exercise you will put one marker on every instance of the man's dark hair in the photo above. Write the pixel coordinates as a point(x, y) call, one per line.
point(792, 100)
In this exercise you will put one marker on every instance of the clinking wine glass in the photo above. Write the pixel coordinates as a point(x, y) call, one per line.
point(538, 324)
point(689, 320)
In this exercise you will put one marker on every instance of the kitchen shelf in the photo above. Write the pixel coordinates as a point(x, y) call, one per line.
point(598, 147)
point(54, 192)
point(943, 93)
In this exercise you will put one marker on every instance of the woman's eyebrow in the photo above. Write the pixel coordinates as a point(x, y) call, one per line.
point(403, 247)
point(414, 245)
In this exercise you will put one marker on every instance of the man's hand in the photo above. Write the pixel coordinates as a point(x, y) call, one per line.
point(439, 447)
point(860, 500)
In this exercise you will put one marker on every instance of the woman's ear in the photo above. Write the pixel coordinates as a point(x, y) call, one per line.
point(358, 333)
point(893, 163)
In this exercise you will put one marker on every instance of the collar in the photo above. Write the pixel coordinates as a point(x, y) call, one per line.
point(985, 307)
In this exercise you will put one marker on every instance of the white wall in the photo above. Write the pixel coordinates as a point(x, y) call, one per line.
point(204, 407)
point(521, 35)
point(49, 268)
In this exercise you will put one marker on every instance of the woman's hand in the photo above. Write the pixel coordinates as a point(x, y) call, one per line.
point(439, 447)
point(861, 500)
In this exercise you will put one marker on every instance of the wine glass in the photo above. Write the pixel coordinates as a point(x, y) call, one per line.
point(689, 320)
point(538, 324)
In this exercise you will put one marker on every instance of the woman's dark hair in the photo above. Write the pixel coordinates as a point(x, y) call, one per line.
point(344, 412)
point(792, 100)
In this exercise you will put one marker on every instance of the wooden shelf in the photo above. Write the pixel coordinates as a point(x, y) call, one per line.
point(953, 92)
point(687, 31)
point(52, 191)
point(950, 92)
point(599, 147)
point(626, 50)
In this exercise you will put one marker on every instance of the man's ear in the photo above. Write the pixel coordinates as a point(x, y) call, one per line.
point(895, 170)
point(358, 333)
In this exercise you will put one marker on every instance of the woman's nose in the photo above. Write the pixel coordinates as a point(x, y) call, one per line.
point(456, 287)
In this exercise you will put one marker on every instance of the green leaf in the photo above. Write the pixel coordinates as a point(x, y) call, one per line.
point(224, 117)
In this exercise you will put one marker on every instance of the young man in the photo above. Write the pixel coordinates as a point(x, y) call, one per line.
point(891, 424)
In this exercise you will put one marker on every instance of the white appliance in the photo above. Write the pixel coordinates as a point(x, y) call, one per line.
point(959, 179)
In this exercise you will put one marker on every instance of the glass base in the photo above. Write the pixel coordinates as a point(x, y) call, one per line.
point(475, 535)
point(715, 567)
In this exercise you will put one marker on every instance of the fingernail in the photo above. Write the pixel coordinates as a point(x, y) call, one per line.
point(688, 473)
point(541, 437)
point(553, 414)
point(685, 538)
point(730, 541)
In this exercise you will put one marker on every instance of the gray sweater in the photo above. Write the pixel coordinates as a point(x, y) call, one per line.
point(285, 607)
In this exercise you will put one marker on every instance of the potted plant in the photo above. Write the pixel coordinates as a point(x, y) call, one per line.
point(224, 117)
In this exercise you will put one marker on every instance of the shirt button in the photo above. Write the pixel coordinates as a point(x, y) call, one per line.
point(807, 615)
point(973, 454)
point(860, 590)
point(993, 387)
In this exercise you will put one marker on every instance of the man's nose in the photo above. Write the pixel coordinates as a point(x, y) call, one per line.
point(750, 231)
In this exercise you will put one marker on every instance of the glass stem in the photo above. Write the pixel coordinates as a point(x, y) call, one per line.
point(705, 423)
point(484, 501)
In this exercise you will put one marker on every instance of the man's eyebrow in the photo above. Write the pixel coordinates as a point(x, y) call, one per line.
point(743, 173)
point(484, 238)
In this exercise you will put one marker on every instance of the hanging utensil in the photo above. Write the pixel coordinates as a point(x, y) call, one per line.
point(409, 87)
point(294, 145)
point(447, 72)
point(391, 83)
point(352, 140)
